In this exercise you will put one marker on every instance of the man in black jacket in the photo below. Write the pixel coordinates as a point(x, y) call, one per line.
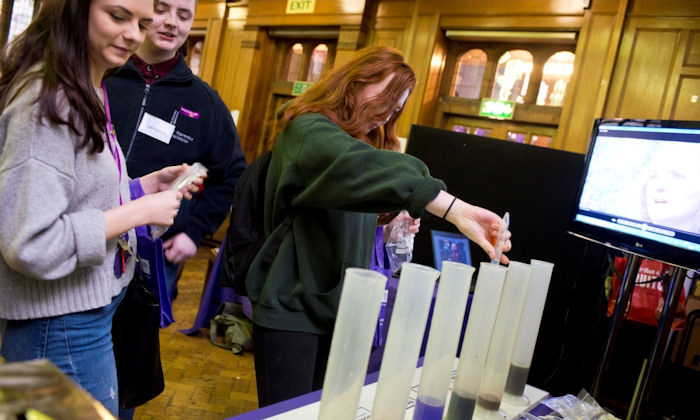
point(165, 115)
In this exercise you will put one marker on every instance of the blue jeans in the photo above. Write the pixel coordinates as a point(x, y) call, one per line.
point(79, 344)
point(171, 278)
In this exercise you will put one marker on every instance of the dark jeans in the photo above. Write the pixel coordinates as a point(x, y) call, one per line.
point(288, 364)
point(171, 271)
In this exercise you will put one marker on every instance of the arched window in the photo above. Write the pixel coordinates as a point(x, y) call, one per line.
point(318, 61)
point(555, 76)
point(512, 76)
point(469, 74)
point(294, 58)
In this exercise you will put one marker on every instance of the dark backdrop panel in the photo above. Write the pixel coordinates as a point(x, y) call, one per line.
point(537, 186)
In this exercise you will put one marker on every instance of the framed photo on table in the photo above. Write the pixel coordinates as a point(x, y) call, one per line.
point(449, 246)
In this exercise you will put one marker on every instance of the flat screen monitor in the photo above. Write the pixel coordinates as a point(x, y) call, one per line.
point(449, 246)
point(640, 190)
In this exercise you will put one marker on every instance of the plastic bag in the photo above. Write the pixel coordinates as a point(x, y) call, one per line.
point(569, 407)
point(399, 245)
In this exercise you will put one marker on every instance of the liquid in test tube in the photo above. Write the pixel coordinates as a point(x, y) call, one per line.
point(527, 334)
point(500, 351)
point(403, 341)
point(448, 316)
point(477, 337)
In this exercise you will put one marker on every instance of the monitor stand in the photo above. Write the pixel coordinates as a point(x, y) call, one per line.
point(651, 366)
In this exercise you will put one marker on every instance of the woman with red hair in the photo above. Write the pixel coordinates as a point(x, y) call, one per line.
point(333, 168)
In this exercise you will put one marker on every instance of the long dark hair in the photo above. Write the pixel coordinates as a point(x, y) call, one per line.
point(335, 95)
point(54, 49)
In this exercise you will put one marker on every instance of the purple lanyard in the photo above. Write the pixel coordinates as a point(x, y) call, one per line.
point(122, 257)
point(112, 141)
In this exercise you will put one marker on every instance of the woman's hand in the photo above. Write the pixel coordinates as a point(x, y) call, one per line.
point(476, 223)
point(413, 227)
point(481, 226)
point(151, 209)
point(162, 179)
point(160, 208)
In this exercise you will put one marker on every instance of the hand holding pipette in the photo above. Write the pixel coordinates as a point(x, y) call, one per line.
point(476, 223)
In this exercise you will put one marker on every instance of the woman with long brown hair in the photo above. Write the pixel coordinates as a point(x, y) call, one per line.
point(332, 168)
point(67, 218)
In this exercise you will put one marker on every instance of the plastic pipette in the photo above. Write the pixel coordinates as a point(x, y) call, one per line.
point(501, 238)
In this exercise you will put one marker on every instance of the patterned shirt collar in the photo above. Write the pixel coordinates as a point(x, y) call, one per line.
point(153, 72)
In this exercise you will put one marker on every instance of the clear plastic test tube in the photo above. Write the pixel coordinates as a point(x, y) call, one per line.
point(493, 381)
point(448, 315)
point(403, 341)
point(527, 333)
point(351, 343)
point(482, 316)
point(192, 173)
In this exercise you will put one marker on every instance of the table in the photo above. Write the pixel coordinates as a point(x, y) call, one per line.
point(307, 406)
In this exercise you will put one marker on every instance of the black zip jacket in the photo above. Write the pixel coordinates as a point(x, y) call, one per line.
point(204, 132)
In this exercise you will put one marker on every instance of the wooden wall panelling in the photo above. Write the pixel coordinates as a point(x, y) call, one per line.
point(530, 22)
point(391, 22)
point(210, 18)
point(230, 79)
point(667, 8)
point(210, 50)
point(692, 57)
point(395, 26)
point(686, 104)
point(388, 38)
point(489, 9)
point(645, 68)
point(350, 39)
point(433, 82)
point(596, 50)
point(418, 54)
point(674, 82)
point(683, 101)
point(248, 58)
point(258, 50)
point(686, 101)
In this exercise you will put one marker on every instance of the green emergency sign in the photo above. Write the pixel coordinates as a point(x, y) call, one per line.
point(494, 108)
point(300, 87)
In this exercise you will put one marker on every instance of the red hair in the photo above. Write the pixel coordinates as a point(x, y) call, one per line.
point(335, 95)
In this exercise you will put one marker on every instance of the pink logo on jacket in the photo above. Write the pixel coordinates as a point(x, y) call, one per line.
point(189, 113)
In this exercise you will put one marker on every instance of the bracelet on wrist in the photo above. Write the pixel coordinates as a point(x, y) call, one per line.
point(449, 207)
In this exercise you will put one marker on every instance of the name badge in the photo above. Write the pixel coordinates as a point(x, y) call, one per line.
point(155, 127)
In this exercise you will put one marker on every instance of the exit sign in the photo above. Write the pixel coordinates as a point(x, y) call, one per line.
point(300, 6)
point(493, 108)
point(300, 87)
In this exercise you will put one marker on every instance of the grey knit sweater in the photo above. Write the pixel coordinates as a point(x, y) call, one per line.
point(54, 258)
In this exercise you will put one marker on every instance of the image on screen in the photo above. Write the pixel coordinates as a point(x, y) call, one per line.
point(448, 246)
point(643, 184)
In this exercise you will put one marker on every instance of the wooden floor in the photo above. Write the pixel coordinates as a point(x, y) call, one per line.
point(202, 381)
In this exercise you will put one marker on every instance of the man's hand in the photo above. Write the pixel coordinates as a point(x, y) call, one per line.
point(179, 248)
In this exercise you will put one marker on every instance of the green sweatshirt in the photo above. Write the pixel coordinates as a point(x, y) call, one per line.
point(334, 185)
